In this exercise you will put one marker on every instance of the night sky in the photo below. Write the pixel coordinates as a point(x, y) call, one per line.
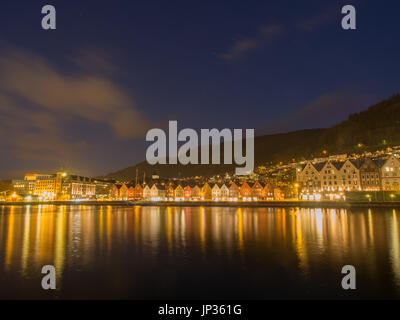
point(85, 94)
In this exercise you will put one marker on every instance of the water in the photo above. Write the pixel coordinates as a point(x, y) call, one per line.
point(198, 252)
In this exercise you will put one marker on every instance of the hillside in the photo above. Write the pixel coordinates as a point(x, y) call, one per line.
point(376, 127)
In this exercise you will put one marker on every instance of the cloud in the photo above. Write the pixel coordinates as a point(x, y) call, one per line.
point(43, 110)
point(244, 46)
point(317, 21)
point(91, 97)
point(241, 47)
point(94, 60)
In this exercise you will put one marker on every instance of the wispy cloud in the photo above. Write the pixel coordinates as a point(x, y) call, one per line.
point(241, 47)
point(40, 106)
point(91, 97)
point(244, 46)
point(317, 20)
point(94, 60)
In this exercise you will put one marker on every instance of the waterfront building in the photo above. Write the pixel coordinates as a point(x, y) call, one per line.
point(171, 191)
point(123, 192)
point(131, 192)
point(23, 187)
point(233, 191)
point(179, 193)
point(158, 192)
point(102, 188)
point(308, 177)
point(268, 192)
point(224, 192)
point(73, 187)
point(216, 192)
point(196, 192)
point(258, 191)
point(245, 191)
point(390, 173)
point(46, 187)
point(206, 192)
point(328, 180)
point(138, 192)
point(278, 194)
point(146, 193)
point(370, 175)
point(187, 192)
point(349, 176)
point(114, 192)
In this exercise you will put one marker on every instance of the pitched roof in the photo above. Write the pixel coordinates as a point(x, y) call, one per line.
point(318, 166)
point(379, 162)
point(357, 163)
point(337, 164)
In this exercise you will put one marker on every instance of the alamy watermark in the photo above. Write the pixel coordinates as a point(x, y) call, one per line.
point(349, 280)
point(188, 152)
point(49, 280)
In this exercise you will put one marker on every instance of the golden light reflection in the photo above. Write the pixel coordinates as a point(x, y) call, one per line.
point(395, 248)
point(10, 239)
point(60, 237)
point(301, 238)
point(240, 227)
point(25, 242)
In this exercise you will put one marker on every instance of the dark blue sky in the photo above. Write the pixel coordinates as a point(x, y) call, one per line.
point(84, 95)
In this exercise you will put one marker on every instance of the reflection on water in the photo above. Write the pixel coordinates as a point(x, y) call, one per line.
point(198, 252)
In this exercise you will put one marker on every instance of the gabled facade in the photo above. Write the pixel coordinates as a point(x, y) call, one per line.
point(233, 191)
point(146, 193)
point(179, 193)
point(350, 176)
point(224, 192)
point(123, 192)
point(114, 192)
point(330, 177)
point(138, 192)
point(170, 191)
point(131, 192)
point(216, 192)
point(206, 192)
point(258, 191)
point(390, 173)
point(157, 192)
point(268, 192)
point(196, 192)
point(308, 177)
point(245, 191)
point(370, 179)
point(187, 192)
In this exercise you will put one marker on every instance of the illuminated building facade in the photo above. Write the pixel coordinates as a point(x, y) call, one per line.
point(390, 173)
